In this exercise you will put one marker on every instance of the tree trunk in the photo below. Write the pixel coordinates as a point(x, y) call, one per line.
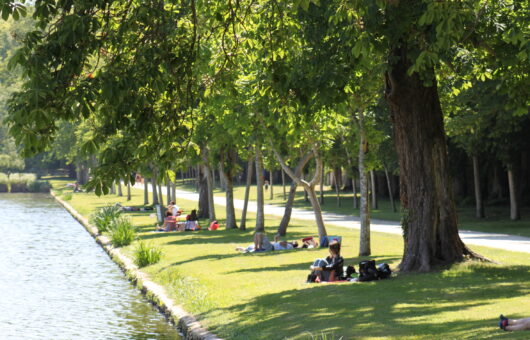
point(160, 194)
point(169, 198)
point(355, 200)
point(364, 245)
point(283, 185)
point(204, 209)
point(390, 192)
point(374, 189)
point(322, 185)
point(128, 191)
point(336, 179)
point(271, 182)
point(479, 203)
point(209, 182)
point(222, 182)
point(113, 188)
point(153, 185)
point(120, 191)
point(282, 229)
point(174, 190)
point(214, 180)
point(250, 164)
point(515, 214)
point(227, 175)
point(146, 191)
point(260, 215)
point(306, 196)
point(430, 226)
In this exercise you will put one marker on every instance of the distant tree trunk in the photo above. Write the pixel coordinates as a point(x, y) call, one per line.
point(174, 190)
point(430, 224)
point(322, 185)
point(168, 191)
point(204, 209)
point(283, 185)
point(336, 180)
point(153, 186)
point(222, 182)
point(355, 198)
point(390, 191)
point(160, 194)
point(260, 215)
point(479, 203)
point(515, 214)
point(214, 180)
point(226, 173)
point(271, 182)
point(374, 189)
point(128, 191)
point(209, 182)
point(250, 165)
point(309, 187)
point(120, 191)
point(282, 229)
point(113, 188)
point(306, 196)
point(146, 191)
point(364, 248)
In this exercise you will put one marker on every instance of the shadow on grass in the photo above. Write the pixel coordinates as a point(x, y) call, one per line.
point(406, 306)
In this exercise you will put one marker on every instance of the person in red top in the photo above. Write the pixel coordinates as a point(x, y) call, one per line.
point(170, 223)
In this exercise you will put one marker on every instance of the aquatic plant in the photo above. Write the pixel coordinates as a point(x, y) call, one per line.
point(146, 254)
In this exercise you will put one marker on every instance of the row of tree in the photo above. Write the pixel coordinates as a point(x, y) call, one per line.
point(155, 85)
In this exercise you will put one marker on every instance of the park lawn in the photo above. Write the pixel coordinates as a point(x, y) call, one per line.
point(263, 296)
point(496, 221)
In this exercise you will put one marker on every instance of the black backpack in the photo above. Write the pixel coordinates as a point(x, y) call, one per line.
point(367, 271)
point(383, 271)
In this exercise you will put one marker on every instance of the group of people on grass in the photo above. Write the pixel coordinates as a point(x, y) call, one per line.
point(172, 220)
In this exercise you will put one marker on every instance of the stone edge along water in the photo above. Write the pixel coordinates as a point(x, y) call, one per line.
point(189, 326)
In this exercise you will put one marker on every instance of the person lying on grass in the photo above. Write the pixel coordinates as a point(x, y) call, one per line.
point(328, 269)
point(283, 245)
point(261, 243)
point(170, 223)
point(514, 325)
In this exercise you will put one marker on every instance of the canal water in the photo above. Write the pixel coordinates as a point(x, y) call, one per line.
point(57, 283)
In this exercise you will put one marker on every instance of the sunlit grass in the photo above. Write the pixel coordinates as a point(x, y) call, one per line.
point(263, 296)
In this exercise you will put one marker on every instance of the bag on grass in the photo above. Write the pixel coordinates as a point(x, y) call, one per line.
point(368, 271)
point(383, 271)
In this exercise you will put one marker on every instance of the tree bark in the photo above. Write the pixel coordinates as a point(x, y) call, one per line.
point(120, 191)
point(271, 184)
point(479, 203)
point(364, 240)
point(174, 190)
point(354, 188)
point(250, 166)
point(322, 185)
point(169, 198)
point(209, 182)
point(204, 209)
point(260, 215)
point(222, 182)
point(390, 191)
point(113, 188)
point(515, 214)
point(283, 185)
point(146, 191)
point(226, 171)
point(153, 185)
point(282, 229)
point(336, 180)
point(374, 189)
point(128, 191)
point(160, 194)
point(430, 225)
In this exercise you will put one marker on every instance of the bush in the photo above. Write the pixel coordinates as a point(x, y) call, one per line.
point(104, 217)
point(19, 182)
point(3, 182)
point(122, 232)
point(146, 254)
point(39, 186)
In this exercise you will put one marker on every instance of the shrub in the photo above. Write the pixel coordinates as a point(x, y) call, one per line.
point(66, 196)
point(39, 186)
point(146, 254)
point(104, 217)
point(122, 232)
point(3, 182)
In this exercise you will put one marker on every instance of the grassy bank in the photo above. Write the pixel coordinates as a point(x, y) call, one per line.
point(263, 296)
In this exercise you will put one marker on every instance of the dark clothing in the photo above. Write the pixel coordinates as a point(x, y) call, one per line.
point(336, 264)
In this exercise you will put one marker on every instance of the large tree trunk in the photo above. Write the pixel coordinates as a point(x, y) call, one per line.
point(282, 229)
point(153, 185)
point(222, 182)
point(250, 166)
point(515, 214)
point(260, 215)
point(364, 240)
point(390, 191)
point(479, 203)
point(226, 172)
point(209, 182)
point(430, 226)
point(174, 190)
point(146, 191)
point(120, 191)
point(203, 193)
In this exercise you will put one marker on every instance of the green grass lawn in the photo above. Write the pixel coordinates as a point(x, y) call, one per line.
point(263, 295)
point(496, 221)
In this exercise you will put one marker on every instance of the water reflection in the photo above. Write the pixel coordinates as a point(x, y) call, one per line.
point(57, 283)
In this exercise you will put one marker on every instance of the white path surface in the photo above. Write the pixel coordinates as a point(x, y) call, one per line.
point(491, 240)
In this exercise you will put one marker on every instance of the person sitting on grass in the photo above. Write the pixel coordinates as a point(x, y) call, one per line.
point(261, 243)
point(328, 269)
point(192, 221)
point(174, 209)
point(514, 325)
point(170, 223)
